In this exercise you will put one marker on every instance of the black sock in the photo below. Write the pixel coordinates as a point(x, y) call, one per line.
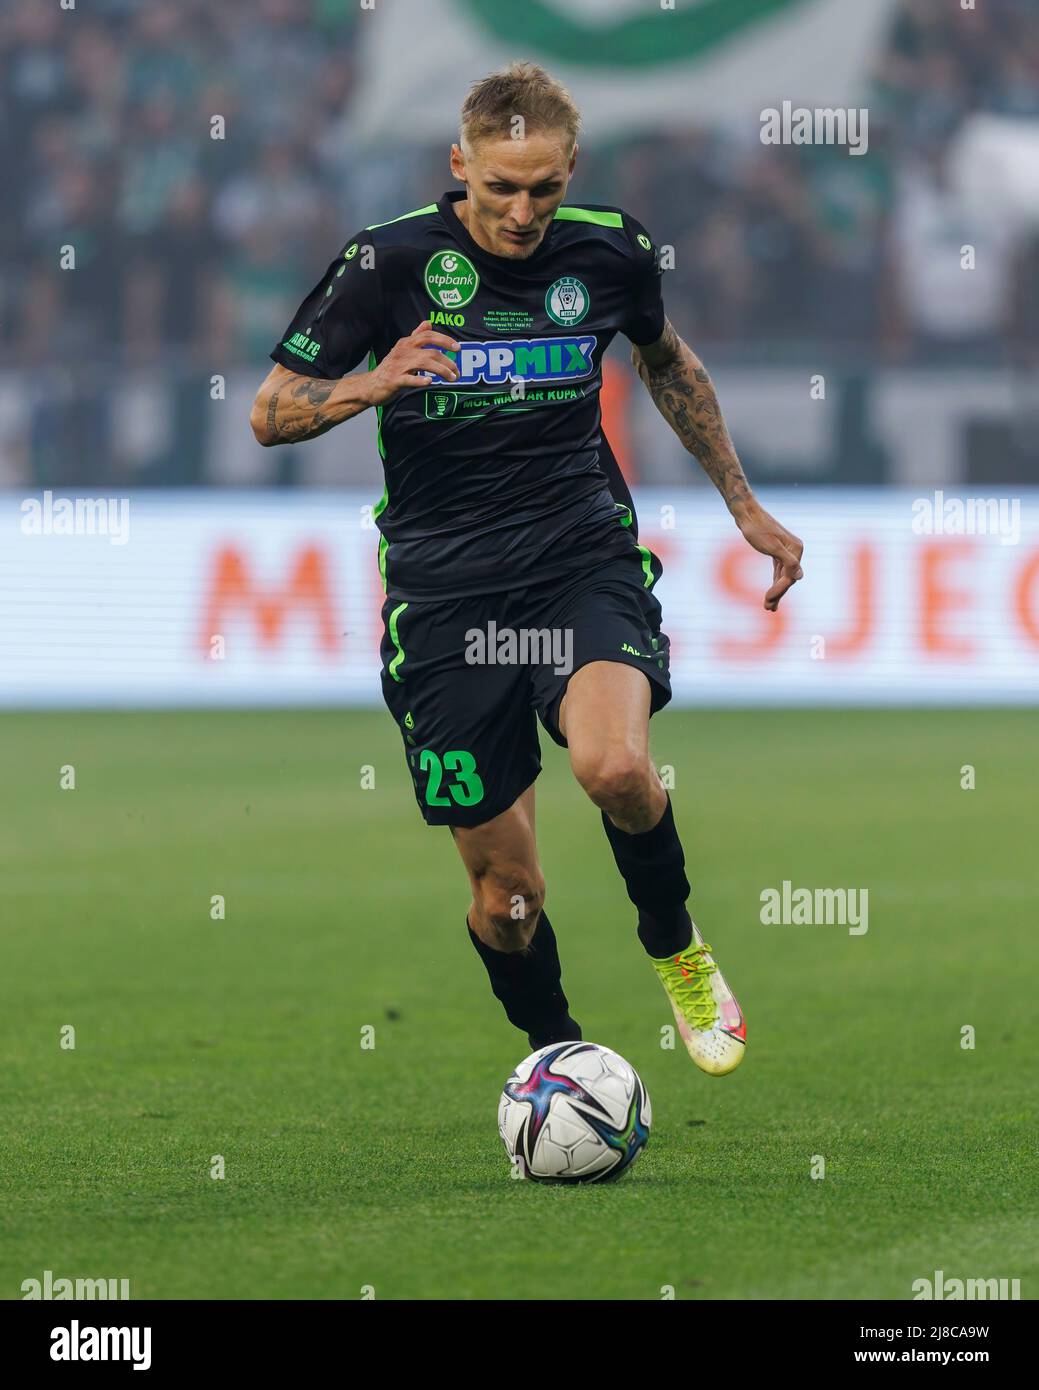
point(529, 986)
point(653, 868)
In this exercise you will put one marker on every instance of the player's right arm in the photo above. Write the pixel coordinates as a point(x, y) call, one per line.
point(292, 406)
point(339, 323)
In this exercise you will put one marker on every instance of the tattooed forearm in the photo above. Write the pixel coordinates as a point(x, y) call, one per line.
point(291, 408)
point(296, 431)
point(313, 391)
point(684, 394)
point(300, 423)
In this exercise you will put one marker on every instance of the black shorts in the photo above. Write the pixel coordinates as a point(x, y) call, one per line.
point(465, 677)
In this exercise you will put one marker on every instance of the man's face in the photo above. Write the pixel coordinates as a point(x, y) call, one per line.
point(514, 188)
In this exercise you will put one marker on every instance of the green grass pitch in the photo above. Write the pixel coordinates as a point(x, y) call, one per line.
point(349, 1168)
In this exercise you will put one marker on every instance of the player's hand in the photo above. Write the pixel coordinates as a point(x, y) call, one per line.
point(403, 366)
point(766, 535)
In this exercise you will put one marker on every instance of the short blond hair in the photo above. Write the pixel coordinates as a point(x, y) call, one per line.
point(521, 89)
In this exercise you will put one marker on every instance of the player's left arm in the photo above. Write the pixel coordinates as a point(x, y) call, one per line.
point(684, 394)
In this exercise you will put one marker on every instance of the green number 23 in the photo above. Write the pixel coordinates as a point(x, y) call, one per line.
point(466, 789)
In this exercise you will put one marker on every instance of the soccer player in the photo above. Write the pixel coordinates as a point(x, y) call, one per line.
point(485, 317)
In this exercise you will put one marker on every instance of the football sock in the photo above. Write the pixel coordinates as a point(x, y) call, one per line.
point(653, 868)
point(529, 986)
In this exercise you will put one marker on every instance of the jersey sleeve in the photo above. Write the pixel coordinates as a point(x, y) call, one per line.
point(337, 323)
point(645, 317)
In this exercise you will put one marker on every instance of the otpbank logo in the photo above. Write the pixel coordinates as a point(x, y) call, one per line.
point(524, 359)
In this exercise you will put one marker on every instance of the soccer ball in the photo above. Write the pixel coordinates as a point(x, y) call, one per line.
point(574, 1112)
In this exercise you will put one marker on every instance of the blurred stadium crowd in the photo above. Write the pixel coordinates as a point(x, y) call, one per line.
point(207, 245)
point(198, 249)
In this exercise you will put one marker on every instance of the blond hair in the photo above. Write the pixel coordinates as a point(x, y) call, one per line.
point(521, 89)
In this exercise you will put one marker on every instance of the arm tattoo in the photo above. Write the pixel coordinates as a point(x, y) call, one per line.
point(307, 424)
point(314, 390)
point(684, 394)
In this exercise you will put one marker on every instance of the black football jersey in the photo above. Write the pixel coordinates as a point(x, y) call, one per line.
point(504, 477)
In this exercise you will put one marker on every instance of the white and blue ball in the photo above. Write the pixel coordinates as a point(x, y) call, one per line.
point(574, 1112)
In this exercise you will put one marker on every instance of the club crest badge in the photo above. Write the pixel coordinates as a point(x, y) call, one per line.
point(566, 302)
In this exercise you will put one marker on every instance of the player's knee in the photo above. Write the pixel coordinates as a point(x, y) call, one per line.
point(510, 905)
point(617, 780)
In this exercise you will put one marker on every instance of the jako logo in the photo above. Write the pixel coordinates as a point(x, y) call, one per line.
point(77, 1343)
point(953, 1289)
point(524, 359)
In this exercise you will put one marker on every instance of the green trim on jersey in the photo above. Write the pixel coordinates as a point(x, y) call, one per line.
point(384, 544)
point(419, 212)
point(372, 364)
point(394, 665)
point(647, 555)
point(383, 501)
point(563, 214)
point(600, 219)
point(647, 567)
